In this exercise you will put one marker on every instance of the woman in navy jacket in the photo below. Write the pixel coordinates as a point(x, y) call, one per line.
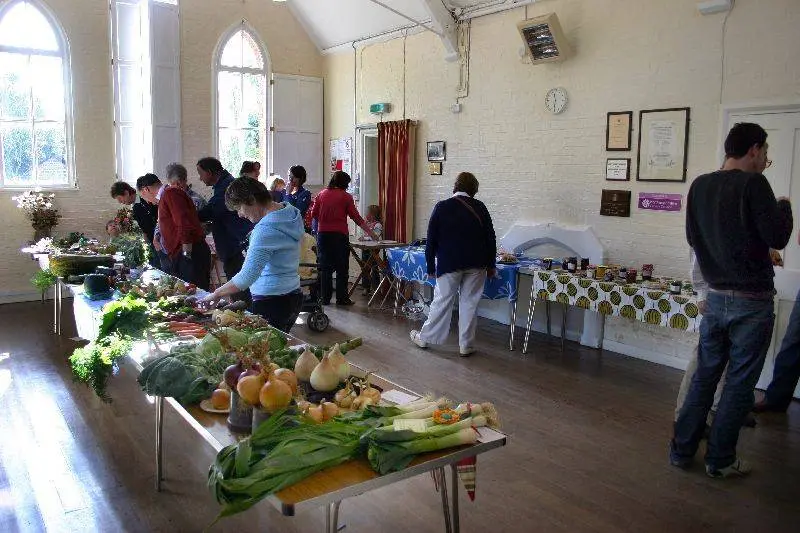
point(460, 253)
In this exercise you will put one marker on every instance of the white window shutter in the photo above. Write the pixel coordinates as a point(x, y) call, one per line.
point(165, 84)
point(297, 125)
point(131, 93)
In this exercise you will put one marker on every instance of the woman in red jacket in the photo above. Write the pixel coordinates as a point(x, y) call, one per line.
point(331, 208)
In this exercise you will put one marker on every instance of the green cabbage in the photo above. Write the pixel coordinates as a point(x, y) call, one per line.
point(209, 346)
point(234, 338)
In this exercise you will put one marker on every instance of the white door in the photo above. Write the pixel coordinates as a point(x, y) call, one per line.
point(784, 176)
point(297, 116)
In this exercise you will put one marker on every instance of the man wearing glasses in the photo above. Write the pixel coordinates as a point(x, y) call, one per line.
point(732, 221)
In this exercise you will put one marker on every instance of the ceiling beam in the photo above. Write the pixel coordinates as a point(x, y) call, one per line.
point(442, 19)
point(403, 15)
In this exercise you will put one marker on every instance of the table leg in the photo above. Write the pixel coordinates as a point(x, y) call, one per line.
point(377, 290)
point(60, 299)
point(513, 306)
point(529, 322)
point(564, 326)
point(602, 332)
point(456, 527)
point(547, 310)
point(397, 297)
point(56, 288)
point(159, 441)
point(445, 503)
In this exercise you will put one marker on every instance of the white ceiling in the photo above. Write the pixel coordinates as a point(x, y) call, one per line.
point(332, 23)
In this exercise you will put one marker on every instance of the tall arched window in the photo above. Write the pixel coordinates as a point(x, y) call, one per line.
point(241, 98)
point(35, 99)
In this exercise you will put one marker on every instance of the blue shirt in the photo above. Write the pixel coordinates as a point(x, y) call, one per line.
point(301, 199)
point(273, 257)
point(229, 230)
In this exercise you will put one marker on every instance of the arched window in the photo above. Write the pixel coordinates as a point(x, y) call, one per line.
point(35, 99)
point(240, 79)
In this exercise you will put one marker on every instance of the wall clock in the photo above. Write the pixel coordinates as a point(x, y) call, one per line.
point(556, 100)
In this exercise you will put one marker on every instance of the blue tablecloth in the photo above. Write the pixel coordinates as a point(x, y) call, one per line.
point(408, 264)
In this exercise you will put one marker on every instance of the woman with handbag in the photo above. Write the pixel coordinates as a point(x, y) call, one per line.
point(460, 253)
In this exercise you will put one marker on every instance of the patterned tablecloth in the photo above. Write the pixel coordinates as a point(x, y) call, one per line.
point(408, 263)
point(630, 301)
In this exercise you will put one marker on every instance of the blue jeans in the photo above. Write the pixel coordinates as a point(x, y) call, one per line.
point(787, 364)
point(735, 331)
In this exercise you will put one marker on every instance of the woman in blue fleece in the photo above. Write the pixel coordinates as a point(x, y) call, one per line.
point(273, 257)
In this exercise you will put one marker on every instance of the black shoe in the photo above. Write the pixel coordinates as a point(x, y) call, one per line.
point(750, 421)
point(345, 302)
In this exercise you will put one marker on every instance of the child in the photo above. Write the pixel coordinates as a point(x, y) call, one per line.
point(372, 276)
point(112, 229)
point(277, 189)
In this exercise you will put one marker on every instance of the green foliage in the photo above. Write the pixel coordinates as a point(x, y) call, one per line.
point(44, 279)
point(126, 317)
point(94, 363)
point(133, 249)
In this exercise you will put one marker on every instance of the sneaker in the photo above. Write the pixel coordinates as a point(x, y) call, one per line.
point(466, 352)
point(735, 469)
point(416, 339)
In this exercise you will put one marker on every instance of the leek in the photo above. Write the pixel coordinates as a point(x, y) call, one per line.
point(391, 456)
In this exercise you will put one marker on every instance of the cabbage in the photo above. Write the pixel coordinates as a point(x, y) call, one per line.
point(233, 337)
point(272, 337)
point(209, 346)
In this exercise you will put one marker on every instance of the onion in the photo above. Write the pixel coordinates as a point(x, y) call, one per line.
point(232, 374)
point(220, 399)
point(339, 363)
point(288, 377)
point(344, 397)
point(305, 365)
point(324, 377)
point(329, 410)
point(315, 413)
point(303, 406)
point(249, 388)
point(275, 394)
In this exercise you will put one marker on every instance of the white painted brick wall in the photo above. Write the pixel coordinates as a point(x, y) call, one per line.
point(629, 55)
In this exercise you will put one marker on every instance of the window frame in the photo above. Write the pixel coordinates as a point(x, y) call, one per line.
point(66, 67)
point(266, 70)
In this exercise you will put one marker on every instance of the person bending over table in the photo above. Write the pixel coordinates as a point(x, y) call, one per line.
point(270, 269)
point(144, 213)
point(181, 235)
point(331, 209)
point(460, 252)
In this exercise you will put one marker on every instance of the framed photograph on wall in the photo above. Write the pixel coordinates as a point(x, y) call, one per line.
point(436, 151)
point(663, 145)
point(435, 168)
point(618, 169)
point(618, 131)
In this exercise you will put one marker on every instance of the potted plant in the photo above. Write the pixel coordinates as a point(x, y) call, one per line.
point(39, 209)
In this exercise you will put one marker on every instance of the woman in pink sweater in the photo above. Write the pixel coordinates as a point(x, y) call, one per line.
point(331, 208)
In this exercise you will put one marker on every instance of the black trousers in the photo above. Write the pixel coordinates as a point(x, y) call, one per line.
point(196, 270)
point(280, 311)
point(334, 256)
point(232, 266)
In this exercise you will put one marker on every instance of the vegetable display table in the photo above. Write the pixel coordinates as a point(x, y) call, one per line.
point(328, 487)
point(408, 264)
point(633, 301)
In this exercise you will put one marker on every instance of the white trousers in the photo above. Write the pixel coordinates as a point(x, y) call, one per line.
point(468, 284)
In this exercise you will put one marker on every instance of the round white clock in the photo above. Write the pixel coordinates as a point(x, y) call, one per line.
point(556, 100)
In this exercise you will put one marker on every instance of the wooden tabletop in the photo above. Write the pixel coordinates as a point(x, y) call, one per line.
point(374, 245)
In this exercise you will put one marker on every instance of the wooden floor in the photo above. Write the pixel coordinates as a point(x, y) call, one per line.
point(587, 449)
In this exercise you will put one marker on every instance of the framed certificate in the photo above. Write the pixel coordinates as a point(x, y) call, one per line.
point(618, 131)
point(618, 169)
point(663, 145)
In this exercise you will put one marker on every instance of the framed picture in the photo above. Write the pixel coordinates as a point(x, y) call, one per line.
point(618, 131)
point(436, 151)
point(435, 168)
point(618, 169)
point(615, 203)
point(663, 145)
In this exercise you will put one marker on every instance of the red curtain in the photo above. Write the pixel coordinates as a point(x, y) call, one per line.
point(394, 153)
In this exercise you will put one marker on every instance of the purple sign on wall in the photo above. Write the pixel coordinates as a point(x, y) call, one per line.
point(655, 201)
